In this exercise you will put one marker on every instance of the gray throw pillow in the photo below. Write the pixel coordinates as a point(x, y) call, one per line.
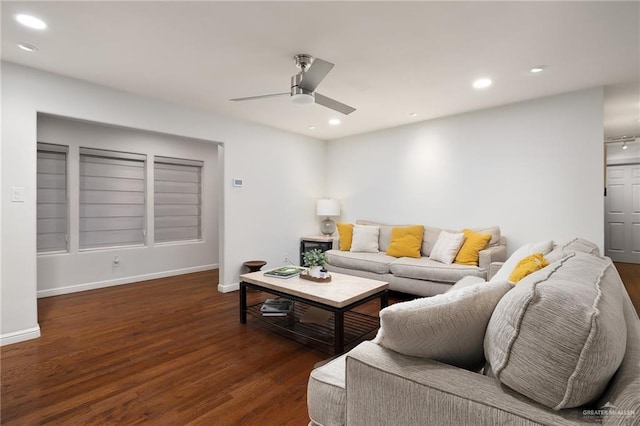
point(572, 246)
point(560, 335)
point(448, 327)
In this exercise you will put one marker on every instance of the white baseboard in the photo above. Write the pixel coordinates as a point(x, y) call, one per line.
point(226, 288)
point(20, 336)
point(126, 280)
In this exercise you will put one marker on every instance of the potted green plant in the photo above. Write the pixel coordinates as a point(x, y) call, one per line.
point(315, 260)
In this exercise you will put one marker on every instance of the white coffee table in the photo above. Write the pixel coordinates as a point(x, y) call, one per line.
point(339, 297)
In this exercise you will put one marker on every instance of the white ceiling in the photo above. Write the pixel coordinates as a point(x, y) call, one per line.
point(391, 58)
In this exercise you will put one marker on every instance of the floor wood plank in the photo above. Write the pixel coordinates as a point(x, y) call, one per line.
point(630, 274)
point(167, 351)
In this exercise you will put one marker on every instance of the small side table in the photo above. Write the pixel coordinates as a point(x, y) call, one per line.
point(319, 242)
point(254, 265)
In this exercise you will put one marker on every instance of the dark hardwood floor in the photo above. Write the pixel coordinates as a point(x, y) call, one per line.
point(167, 352)
point(630, 274)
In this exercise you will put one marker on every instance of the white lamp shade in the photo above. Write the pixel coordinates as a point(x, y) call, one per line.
point(328, 207)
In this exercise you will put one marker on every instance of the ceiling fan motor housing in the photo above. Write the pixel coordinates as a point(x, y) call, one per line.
point(303, 61)
point(298, 94)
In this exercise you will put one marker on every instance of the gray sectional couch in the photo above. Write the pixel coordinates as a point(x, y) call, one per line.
point(421, 277)
point(562, 348)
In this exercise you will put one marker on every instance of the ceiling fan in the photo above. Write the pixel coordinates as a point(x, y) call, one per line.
point(303, 85)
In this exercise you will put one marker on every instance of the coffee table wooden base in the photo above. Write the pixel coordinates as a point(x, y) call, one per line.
point(343, 329)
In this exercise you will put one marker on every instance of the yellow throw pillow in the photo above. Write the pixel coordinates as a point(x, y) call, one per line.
point(345, 231)
point(526, 266)
point(470, 251)
point(406, 241)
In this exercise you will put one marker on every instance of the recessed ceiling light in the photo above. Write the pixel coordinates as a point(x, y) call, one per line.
point(312, 127)
point(334, 121)
point(31, 21)
point(413, 114)
point(538, 69)
point(482, 83)
point(28, 47)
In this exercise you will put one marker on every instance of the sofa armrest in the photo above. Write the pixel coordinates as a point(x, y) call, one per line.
point(384, 387)
point(492, 254)
point(336, 243)
point(494, 267)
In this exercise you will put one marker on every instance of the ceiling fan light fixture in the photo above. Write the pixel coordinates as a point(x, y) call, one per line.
point(302, 98)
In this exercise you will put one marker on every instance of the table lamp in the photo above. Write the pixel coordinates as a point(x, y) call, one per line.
point(328, 207)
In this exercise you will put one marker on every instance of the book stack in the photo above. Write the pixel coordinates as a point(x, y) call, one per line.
point(284, 272)
point(276, 307)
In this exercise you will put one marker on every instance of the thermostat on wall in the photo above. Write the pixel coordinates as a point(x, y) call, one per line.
point(238, 183)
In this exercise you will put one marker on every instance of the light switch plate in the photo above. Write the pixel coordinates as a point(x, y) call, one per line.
point(17, 194)
point(238, 183)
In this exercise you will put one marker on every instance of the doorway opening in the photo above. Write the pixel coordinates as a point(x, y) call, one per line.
point(622, 200)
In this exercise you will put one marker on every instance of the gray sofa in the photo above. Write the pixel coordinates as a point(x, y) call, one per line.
point(421, 277)
point(374, 385)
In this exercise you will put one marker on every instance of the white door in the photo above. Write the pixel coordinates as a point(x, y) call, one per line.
point(622, 214)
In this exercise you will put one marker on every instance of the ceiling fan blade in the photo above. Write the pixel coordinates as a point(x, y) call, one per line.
point(333, 104)
point(315, 74)
point(250, 98)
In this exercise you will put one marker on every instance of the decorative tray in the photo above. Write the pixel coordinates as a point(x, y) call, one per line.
point(314, 279)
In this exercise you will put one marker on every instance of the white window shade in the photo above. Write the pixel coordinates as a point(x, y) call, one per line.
point(112, 199)
point(178, 199)
point(52, 206)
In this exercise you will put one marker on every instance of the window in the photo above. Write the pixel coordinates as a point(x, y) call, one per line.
point(178, 201)
point(52, 216)
point(112, 198)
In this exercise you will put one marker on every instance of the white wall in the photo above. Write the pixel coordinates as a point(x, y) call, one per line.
point(273, 163)
point(533, 168)
point(81, 270)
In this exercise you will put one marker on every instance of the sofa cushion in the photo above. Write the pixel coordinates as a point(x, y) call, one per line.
point(572, 246)
point(385, 233)
point(406, 241)
point(543, 247)
point(378, 263)
point(448, 327)
point(429, 239)
point(495, 234)
point(326, 393)
point(432, 270)
point(365, 238)
point(345, 232)
point(467, 281)
point(473, 243)
point(447, 246)
point(560, 335)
